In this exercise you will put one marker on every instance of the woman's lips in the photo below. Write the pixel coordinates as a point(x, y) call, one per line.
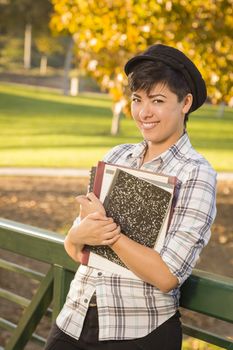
point(148, 126)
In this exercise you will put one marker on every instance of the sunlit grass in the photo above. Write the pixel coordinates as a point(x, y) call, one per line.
point(195, 344)
point(42, 128)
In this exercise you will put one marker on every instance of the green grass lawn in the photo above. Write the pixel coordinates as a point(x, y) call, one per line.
point(41, 128)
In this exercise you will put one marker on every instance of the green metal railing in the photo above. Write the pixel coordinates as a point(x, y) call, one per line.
point(203, 292)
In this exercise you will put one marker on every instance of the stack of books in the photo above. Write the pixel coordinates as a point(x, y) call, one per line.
point(139, 201)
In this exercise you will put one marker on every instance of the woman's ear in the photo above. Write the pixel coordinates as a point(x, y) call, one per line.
point(188, 100)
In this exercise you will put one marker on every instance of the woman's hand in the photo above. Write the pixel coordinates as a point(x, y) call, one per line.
point(89, 204)
point(95, 229)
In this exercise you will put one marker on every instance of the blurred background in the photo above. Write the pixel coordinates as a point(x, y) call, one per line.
point(64, 103)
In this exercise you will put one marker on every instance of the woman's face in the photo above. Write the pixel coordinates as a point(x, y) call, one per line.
point(159, 116)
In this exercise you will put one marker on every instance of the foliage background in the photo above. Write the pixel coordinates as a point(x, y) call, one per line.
point(107, 33)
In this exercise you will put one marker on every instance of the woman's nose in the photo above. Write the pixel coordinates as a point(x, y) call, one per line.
point(145, 112)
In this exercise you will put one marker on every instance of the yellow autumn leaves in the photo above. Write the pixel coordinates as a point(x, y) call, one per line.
point(108, 32)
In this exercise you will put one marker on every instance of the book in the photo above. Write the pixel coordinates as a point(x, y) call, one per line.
point(139, 201)
point(101, 177)
point(91, 179)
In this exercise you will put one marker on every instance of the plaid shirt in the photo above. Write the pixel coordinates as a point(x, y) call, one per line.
point(130, 308)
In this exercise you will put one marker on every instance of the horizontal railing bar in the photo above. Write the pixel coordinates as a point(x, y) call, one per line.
point(10, 327)
point(35, 243)
point(7, 265)
point(37, 232)
point(7, 325)
point(206, 336)
point(17, 299)
point(22, 301)
point(205, 292)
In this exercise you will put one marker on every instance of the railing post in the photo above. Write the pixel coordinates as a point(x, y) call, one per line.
point(32, 314)
point(62, 279)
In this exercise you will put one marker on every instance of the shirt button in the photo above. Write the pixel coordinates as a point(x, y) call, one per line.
point(85, 300)
point(99, 273)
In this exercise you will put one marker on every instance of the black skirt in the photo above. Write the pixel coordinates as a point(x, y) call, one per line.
point(168, 336)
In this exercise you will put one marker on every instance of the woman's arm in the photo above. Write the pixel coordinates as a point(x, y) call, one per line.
point(73, 249)
point(188, 233)
point(146, 263)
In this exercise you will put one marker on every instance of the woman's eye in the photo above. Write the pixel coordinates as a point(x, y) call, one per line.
point(135, 99)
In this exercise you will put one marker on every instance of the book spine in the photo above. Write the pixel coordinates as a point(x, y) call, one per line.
point(98, 178)
point(91, 179)
point(85, 254)
point(172, 180)
point(95, 183)
point(106, 200)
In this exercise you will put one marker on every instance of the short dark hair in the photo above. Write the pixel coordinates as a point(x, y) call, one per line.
point(146, 74)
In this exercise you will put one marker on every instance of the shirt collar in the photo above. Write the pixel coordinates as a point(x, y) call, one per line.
point(139, 149)
point(177, 150)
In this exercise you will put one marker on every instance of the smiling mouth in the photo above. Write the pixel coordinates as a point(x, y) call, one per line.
point(148, 126)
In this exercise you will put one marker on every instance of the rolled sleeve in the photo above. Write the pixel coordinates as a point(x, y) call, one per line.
point(76, 221)
point(193, 215)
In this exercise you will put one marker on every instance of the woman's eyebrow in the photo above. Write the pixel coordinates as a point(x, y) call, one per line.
point(150, 96)
point(156, 95)
point(136, 95)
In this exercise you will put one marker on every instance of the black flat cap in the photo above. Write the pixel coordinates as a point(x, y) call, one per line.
point(178, 61)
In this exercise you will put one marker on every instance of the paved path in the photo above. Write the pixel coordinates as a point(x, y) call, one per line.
point(44, 172)
point(69, 172)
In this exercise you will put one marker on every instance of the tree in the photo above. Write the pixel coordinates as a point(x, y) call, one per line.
point(23, 16)
point(47, 46)
point(107, 33)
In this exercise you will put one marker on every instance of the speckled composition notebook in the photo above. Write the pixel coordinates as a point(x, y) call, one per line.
point(141, 208)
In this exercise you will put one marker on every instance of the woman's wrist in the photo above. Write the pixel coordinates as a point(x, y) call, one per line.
point(117, 241)
point(74, 237)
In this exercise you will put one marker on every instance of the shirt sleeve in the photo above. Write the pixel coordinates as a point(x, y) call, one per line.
point(189, 231)
point(76, 221)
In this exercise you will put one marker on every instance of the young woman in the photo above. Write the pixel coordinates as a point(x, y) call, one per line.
point(104, 310)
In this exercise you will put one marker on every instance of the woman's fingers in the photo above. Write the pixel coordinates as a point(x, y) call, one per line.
point(89, 204)
point(110, 237)
point(82, 199)
point(109, 226)
point(92, 197)
point(97, 229)
point(112, 240)
point(100, 216)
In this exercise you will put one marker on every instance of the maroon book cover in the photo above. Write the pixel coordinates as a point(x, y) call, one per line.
point(98, 178)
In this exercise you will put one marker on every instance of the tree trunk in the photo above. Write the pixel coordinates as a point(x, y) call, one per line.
point(27, 46)
point(115, 128)
point(67, 66)
point(74, 86)
point(117, 109)
point(221, 109)
point(43, 65)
